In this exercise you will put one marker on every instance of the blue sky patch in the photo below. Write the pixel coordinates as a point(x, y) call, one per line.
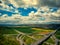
point(53, 9)
point(6, 12)
point(25, 12)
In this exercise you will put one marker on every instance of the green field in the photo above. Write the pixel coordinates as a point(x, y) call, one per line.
point(58, 34)
point(37, 33)
point(7, 30)
point(8, 40)
point(28, 30)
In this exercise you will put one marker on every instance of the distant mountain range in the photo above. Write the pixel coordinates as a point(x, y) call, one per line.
point(48, 26)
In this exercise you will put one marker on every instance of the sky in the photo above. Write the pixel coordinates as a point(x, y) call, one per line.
point(15, 12)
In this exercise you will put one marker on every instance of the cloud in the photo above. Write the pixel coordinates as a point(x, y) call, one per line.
point(43, 14)
point(33, 3)
point(4, 6)
point(38, 3)
point(33, 18)
point(30, 2)
point(13, 2)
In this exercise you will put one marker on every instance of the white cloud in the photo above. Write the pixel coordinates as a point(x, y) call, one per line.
point(31, 14)
point(3, 5)
point(14, 3)
point(30, 2)
point(33, 3)
point(33, 18)
point(56, 14)
point(45, 8)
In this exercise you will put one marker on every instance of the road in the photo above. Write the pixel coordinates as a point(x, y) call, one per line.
point(26, 34)
point(56, 40)
point(38, 42)
point(20, 40)
point(41, 41)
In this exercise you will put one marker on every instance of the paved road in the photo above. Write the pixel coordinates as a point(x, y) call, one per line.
point(41, 41)
point(56, 40)
point(20, 40)
point(26, 34)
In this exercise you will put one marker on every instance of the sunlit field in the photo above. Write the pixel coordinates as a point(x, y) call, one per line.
point(29, 22)
point(27, 34)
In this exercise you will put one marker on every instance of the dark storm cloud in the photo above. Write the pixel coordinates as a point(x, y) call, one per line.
point(55, 3)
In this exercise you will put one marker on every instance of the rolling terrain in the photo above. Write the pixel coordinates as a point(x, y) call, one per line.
point(27, 35)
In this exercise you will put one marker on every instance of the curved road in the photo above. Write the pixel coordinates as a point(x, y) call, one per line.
point(20, 40)
point(41, 41)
